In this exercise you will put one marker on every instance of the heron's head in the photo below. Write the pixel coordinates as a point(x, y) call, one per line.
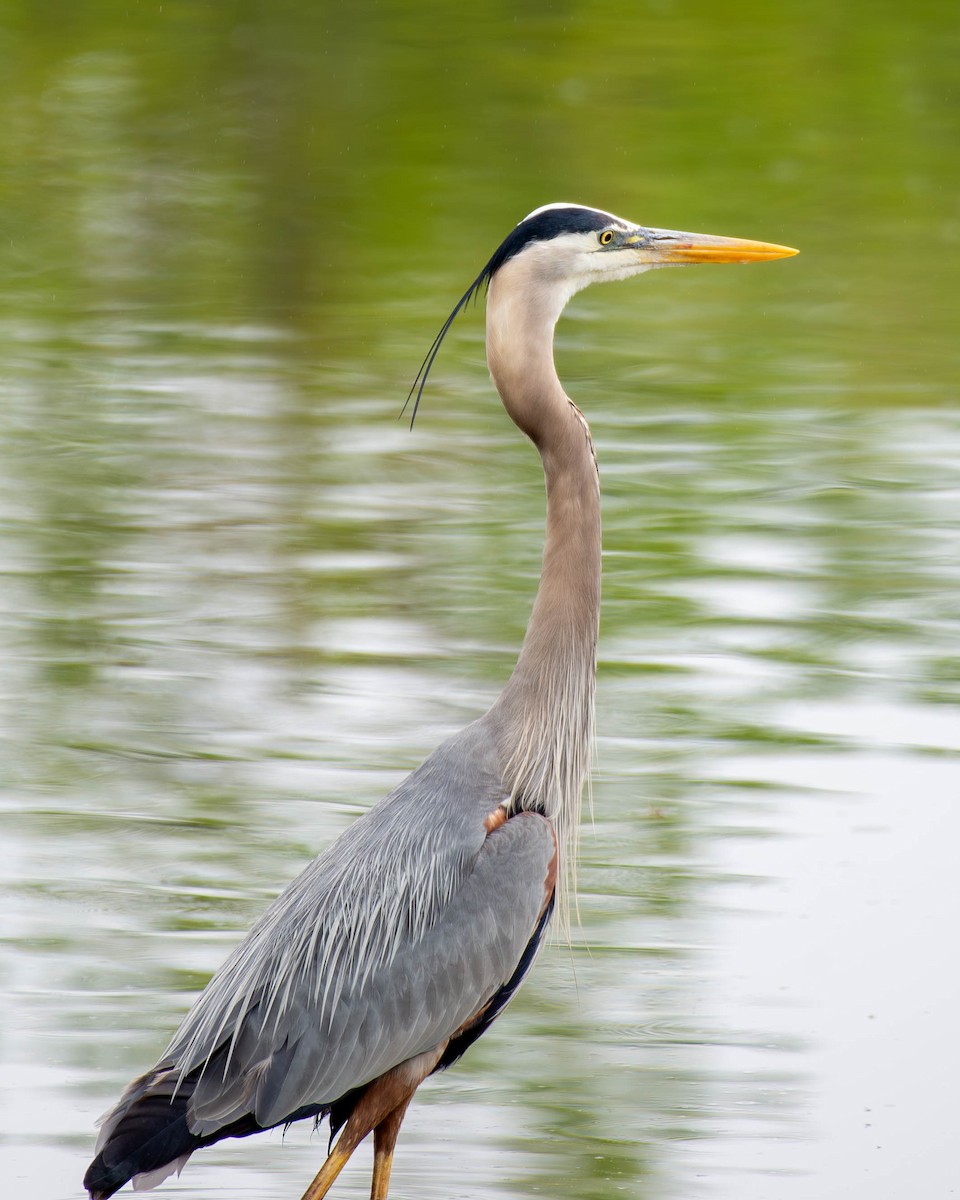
point(560, 248)
point(568, 246)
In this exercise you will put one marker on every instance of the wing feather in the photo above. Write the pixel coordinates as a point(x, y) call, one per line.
point(383, 947)
point(428, 991)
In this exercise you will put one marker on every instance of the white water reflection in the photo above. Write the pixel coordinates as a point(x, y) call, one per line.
point(760, 1001)
point(834, 929)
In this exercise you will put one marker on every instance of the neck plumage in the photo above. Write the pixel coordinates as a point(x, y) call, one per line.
point(546, 710)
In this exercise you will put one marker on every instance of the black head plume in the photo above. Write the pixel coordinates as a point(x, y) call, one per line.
point(541, 225)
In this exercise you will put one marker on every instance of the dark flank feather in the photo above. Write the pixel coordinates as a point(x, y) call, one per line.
point(463, 1041)
point(149, 1133)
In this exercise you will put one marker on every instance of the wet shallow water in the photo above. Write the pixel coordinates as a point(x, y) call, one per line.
point(239, 599)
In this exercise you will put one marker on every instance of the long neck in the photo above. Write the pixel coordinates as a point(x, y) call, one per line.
point(546, 709)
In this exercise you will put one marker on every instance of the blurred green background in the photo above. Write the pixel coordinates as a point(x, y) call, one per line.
point(239, 598)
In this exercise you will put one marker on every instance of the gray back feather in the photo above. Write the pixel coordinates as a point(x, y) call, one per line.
point(375, 952)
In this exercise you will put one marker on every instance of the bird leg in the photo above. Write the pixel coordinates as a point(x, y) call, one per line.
point(382, 1104)
point(336, 1160)
point(384, 1140)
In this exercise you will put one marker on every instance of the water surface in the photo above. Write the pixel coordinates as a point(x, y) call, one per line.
point(239, 599)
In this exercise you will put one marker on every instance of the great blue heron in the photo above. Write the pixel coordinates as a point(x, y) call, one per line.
point(398, 947)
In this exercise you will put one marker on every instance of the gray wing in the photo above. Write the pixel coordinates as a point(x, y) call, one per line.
point(385, 946)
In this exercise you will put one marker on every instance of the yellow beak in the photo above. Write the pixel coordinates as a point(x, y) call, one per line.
point(658, 246)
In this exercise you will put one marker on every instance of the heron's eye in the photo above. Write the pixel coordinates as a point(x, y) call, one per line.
point(606, 237)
